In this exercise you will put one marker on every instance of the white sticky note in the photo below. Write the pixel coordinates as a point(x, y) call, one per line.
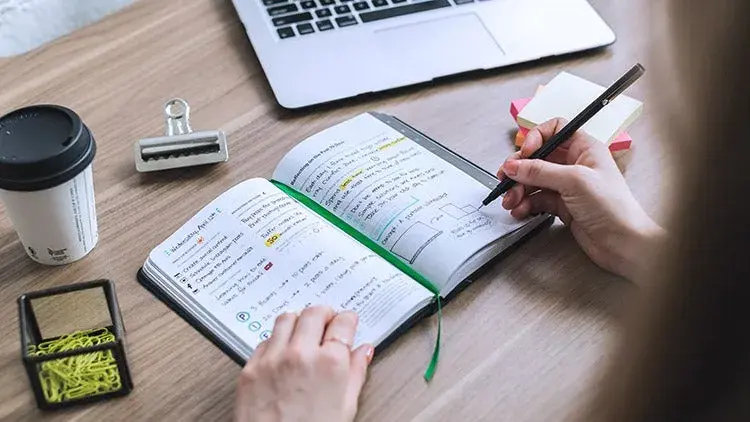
point(567, 95)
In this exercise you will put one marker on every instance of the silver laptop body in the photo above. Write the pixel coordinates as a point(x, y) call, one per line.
point(317, 51)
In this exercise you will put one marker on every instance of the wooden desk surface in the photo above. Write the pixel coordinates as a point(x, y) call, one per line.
point(521, 344)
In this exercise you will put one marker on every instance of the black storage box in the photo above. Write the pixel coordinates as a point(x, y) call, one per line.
point(72, 344)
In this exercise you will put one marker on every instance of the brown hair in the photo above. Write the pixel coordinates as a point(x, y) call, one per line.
point(685, 354)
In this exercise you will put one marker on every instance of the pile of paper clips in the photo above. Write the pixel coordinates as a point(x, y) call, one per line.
point(78, 376)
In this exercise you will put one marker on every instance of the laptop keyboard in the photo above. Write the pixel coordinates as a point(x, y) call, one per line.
point(302, 17)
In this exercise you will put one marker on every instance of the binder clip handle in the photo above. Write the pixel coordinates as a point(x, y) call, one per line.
point(177, 111)
point(181, 147)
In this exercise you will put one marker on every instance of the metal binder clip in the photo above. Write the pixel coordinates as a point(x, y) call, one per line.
point(181, 147)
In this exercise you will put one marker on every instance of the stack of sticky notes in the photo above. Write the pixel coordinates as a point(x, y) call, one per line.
point(567, 95)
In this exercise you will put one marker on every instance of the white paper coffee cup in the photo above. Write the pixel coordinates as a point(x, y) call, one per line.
point(46, 182)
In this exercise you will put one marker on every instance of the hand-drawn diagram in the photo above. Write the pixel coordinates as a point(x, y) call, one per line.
point(411, 243)
point(458, 212)
point(395, 215)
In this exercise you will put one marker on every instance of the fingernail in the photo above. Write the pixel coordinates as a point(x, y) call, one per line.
point(511, 167)
point(506, 199)
point(369, 352)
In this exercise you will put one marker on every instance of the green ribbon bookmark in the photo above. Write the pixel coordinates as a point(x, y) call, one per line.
point(382, 252)
point(432, 367)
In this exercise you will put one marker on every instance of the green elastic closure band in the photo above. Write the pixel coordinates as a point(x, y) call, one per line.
point(382, 252)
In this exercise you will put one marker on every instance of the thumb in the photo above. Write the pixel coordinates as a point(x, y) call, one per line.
point(360, 361)
point(543, 174)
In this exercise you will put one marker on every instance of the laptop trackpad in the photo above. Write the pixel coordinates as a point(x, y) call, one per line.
point(440, 46)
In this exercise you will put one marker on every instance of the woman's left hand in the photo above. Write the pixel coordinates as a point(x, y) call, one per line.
point(306, 370)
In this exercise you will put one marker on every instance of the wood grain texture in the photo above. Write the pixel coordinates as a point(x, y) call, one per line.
point(522, 343)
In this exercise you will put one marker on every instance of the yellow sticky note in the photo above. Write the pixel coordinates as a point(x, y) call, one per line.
point(567, 95)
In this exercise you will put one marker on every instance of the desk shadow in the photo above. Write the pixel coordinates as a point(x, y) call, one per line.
point(239, 40)
point(15, 264)
point(179, 174)
point(552, 266)
point(512, 137)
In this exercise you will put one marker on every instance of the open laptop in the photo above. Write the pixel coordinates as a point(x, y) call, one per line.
point(316, 51)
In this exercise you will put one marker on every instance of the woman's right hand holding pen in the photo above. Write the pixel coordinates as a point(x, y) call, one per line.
point(581, 184)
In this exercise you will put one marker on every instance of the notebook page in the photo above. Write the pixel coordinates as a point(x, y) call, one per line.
point(254, 253)
point(398, 193)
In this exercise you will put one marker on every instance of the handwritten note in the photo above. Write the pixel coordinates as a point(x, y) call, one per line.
point(255, 253)
point(398, 193)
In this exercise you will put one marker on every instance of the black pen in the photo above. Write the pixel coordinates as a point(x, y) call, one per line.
point(566, 132)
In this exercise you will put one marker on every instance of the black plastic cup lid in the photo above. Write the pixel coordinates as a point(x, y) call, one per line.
point(42, 146)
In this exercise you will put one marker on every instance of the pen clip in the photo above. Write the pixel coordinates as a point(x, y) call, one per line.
point(623, 83)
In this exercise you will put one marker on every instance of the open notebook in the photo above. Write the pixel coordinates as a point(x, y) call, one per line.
point(369, 215)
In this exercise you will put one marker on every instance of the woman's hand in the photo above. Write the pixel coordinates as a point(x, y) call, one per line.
point(306, 370)
point(581, 184)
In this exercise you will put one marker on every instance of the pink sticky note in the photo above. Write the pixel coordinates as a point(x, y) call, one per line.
point(517, 105)
point(623, 141)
